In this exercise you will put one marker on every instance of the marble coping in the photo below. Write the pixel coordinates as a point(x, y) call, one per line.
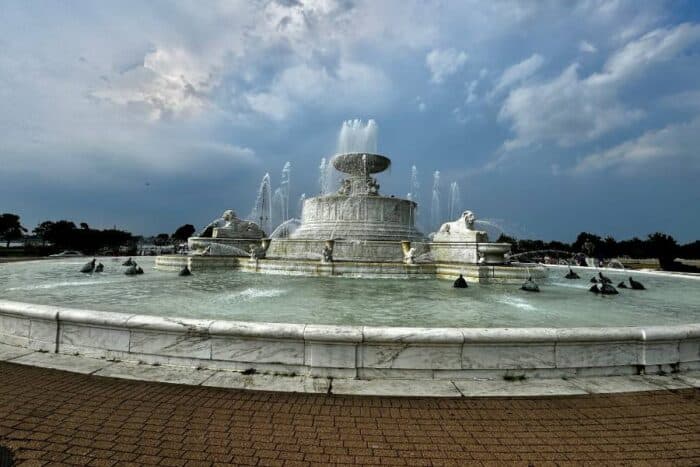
point(347, 334)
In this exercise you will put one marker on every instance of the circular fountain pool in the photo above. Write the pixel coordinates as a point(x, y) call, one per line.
point(241, 296)
point(351, 328)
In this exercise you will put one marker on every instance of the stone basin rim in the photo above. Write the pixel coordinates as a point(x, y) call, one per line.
point(349, 333)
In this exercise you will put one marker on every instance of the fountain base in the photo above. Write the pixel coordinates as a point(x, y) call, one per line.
point(474, 273)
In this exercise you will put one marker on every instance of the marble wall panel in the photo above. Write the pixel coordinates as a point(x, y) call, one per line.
point(14, 330)
point(330, 355)
point(598, 354)
point(508, 356)
point(657, 353)
point(171, 344)
point(79, 336)
point(283, 351)
point(42, 335)
point(409, 356)
point(689, 350)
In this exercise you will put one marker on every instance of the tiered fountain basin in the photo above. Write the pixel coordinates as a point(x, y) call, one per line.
point(293, 262)
point(359, 329)
point(358, 217)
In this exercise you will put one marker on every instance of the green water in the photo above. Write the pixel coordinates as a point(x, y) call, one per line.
point(243, 296)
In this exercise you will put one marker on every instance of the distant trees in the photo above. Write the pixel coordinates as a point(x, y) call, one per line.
point(183, 232)
point(161, 239)
point(64, 234)
point(664, 247)
point(585, 238)
point(11, 228)
point(690, 250)
point(657, 245)
point(42, 230)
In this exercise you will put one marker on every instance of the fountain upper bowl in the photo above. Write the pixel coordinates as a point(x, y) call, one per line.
point(359, 163)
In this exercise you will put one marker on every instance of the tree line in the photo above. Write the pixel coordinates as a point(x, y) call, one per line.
point(657, 245)
point(66, 235)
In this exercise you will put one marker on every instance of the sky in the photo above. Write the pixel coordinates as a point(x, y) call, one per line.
point(552, 117)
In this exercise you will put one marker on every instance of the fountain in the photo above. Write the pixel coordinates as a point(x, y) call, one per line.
point(228, 316)
point(225, 236)
point(414, 193)
point(372, 234)
point(435, 215)
point(262, 209)
point(454, 201)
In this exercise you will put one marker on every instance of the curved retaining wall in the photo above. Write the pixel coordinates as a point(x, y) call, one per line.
point(363, 352)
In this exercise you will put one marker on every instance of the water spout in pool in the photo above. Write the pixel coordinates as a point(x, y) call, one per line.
point(435, 215)
point(414, 193)
point(285, 229)
point(300, 204)
point(357, 136)
point(454, 202)
point(262, 209)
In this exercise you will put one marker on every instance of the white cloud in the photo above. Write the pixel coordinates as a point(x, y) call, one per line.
point(566, 110)
point(519, 72)
point(169, 83)
point(587, 47)
point(354, 86)
point(654, 47)
point(569, 109)
point(443, 63)
point(273, 106)
point(471, 91)
point(677, 142)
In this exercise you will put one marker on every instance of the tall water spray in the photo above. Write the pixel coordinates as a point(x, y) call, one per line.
point(277, 208)
point(414, 192)
point(328, 178)
point(262, 209)
point(435, 215)
point(354, 136)
point(300, 205)
point(285, 189)
point(454, 202)
point(357, 136)
point(322, 177)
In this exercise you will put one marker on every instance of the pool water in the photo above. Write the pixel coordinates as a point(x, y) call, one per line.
point(235, 295)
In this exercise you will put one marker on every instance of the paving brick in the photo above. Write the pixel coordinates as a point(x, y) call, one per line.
point(53, 417)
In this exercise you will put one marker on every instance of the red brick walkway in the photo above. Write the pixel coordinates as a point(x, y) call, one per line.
point(49, 416)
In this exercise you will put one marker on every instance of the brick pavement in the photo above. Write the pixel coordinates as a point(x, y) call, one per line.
point(53, 417)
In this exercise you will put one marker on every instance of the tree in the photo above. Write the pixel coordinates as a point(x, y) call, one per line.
point(42, 231)
point(11, 228)
point(162, 239)
point(585, 238)
point(690, 250)
point(183, 232)
point(62, 234)
point(662, 246)
point(634, 248)
point(84, 226)
point(503, 238)
point(609, 247)
point(112, 239)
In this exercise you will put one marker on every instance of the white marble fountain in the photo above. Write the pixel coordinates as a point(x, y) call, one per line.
point(326, 333)
point(355, 231)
